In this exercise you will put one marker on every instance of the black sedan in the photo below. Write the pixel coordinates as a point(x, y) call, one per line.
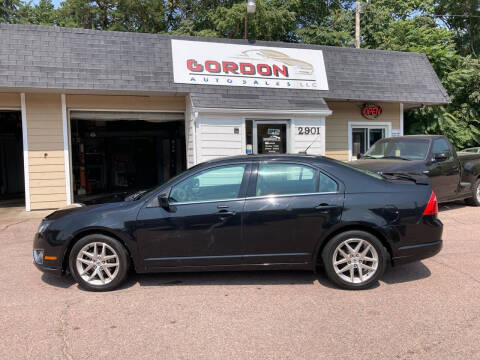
point(249, 213)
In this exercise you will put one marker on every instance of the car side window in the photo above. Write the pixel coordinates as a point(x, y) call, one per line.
point(441, 146)
point(284, 179)
point(326, 184)
point(219, 183)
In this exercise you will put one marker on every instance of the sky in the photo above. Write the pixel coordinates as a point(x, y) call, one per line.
point(55, 2)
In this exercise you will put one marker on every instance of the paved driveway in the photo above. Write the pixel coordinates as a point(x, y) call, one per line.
point(424, 310)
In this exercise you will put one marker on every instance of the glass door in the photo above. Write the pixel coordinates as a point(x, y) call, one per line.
point(364, 137)
point(270, 137)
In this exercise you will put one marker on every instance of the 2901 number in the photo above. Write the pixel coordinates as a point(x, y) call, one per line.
point(308, 130)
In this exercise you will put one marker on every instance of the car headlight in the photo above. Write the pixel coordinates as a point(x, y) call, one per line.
point(44, 225)
point(38, 256)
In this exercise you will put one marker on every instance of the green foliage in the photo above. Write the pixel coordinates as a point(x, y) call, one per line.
point(8, 11)
point(465, 27)
point(325, 22)
point(41, 14)
point(451, 43)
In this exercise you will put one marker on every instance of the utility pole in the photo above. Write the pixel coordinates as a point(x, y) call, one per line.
point(246, 23)
point(357, 24)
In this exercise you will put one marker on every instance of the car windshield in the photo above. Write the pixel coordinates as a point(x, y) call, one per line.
point(411, 149)
point(148, 192)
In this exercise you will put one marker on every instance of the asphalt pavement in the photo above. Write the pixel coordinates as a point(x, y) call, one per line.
point(423, 310)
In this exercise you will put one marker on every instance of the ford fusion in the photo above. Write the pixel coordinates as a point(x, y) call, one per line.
point(248, 213)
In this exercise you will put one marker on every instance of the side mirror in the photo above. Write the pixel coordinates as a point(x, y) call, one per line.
point(440, 157)
point(359, 156)
point(163, 202)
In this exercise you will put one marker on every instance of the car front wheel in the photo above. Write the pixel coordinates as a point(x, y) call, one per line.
point(354, 259)
point(98, 262)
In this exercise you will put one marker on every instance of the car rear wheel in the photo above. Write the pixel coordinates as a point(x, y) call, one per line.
point(354, 259)
point(98, 262)
point(475, 199)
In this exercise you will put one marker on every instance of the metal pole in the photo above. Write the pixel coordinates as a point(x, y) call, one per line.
point(357, 24)
point(246, 21)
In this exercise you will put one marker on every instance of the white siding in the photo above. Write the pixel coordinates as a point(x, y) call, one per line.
point(216, 136)
point(301, 142)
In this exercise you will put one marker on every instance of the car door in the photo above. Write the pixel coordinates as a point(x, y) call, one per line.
point(287, 209)
point(444, 174)
point(203, 224)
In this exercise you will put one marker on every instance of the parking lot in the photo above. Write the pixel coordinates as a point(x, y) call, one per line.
point(427, 310)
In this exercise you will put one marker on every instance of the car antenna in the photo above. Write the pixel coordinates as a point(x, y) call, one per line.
point(305, 151)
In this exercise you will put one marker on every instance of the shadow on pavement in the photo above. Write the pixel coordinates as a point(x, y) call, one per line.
point(234, 278)
point(58, 281)
point(400, 274)
point(406, 273)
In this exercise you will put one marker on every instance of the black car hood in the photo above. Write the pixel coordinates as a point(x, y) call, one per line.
point(389, 165)
point(84, 208)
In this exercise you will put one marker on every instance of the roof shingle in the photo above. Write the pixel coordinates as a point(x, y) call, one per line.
point(70, 59)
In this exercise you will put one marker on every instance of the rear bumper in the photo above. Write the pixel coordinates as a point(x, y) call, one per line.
point(410, 253)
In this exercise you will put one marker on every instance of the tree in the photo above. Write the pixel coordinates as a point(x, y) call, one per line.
point(8, 10)
point(88, 14)
point(146, 16)
point(328, 22)
point(463, 18)
point(43, 13)
point(459, 120)
point(273, 20)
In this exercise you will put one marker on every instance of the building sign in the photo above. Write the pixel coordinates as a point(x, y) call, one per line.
point(371, 111)
point(206, 63)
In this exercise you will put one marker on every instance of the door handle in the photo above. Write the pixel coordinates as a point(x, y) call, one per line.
point(324, 206)
point(224, 213)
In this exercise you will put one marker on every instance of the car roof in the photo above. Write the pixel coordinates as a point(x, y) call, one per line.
point(268, 157)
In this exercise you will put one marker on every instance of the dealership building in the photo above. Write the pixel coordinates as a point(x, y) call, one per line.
point(87, 113)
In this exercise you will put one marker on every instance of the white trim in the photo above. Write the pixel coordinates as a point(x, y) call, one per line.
point(401, 119)
point(26, 167)
point(66, 150)
point(192, 121)
point(367, 124)
point(11, 108)
point(265, 111)
point(125, 110)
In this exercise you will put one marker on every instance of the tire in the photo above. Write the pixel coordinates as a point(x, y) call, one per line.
point(337, 245)
point(475, 199)
point(98, 263)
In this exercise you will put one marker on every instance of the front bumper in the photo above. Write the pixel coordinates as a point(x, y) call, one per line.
point(46, 264)
point(49, 269)
point(410, 253)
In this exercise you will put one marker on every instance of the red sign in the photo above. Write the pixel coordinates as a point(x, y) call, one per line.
point(371, 111)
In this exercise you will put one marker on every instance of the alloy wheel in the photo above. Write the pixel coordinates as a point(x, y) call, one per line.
point(97, 263)
point(355, 260)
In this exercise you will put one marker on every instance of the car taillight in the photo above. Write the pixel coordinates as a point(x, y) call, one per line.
point(432, 206)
